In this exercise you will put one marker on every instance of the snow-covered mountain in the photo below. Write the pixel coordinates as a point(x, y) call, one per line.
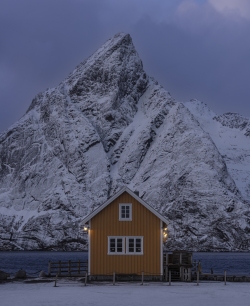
point(108, 125)
point(231, 135)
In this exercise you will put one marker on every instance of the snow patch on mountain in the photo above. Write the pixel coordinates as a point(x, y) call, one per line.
point(230, 133)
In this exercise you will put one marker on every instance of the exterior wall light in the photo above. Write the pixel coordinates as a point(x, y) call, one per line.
point(165, 232)
point(86, 228)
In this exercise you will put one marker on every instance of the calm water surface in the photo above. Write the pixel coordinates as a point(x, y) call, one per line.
point(33, 262)
point(234, 263)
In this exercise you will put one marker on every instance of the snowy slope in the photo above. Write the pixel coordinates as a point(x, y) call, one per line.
point(231, 135)
point(105, 126)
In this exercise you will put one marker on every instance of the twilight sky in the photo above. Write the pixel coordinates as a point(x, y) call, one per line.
point(194, 48)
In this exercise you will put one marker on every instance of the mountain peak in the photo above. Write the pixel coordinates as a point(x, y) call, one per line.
point(105, 126)
point(111, 53)
point(120, 37)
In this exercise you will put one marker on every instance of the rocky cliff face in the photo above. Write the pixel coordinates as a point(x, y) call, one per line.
point(109, 125)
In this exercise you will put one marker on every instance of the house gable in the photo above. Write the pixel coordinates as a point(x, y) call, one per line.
point(120, 192)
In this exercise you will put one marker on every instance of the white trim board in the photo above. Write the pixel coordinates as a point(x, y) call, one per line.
point(116, 195)
point(89, 255)
point(161, 244)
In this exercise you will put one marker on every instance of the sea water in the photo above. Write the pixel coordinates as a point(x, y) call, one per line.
point(233, 263)
point(35, 261)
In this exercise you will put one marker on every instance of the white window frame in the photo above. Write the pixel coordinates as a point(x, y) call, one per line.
point(120, 212)
point(123, 245)
point(127, 245)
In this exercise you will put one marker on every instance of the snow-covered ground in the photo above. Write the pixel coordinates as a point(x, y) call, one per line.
point(74, 294)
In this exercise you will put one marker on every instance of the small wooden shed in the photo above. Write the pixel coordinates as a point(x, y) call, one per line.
point(126, 236)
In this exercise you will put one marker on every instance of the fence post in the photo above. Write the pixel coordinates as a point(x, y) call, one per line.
point(69, 268)
point(59, 267)
point(142, 277)
point(113, 278)
point(225, 277)
point(86, 277)
point(198, 277)
point(49, 268)
point(55, 280)
point(169, 278)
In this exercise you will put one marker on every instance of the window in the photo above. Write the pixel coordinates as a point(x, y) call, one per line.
point(116, 245)
point(134, 245)
point(125, 212)
point(125, 245)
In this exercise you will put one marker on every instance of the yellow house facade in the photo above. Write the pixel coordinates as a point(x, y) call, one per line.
point(126, 236)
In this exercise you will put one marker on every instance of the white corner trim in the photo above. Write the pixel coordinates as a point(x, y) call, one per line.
point(89, 255)
point(161, 246)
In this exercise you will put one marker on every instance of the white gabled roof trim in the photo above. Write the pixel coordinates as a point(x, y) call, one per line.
point(124, 189)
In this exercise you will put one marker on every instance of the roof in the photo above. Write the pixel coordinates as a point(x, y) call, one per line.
point(116, 195)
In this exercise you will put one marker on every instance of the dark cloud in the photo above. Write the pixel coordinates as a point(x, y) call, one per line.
point(193, 51)
point(210, 65)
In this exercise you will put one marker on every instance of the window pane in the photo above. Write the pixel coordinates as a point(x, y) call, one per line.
point(123, 212)
point(138, 245)
point(112, 245)
point(119, 245)
point(127, 211)
point(131, 245)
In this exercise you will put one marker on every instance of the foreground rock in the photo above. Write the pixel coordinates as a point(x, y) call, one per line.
point(109, 125)
point(42, 274)
point(20, 274)
point(4, 275)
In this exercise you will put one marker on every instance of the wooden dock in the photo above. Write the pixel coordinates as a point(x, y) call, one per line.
point(68, 268)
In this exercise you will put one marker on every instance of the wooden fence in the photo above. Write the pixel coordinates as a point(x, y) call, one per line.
point(68, 268)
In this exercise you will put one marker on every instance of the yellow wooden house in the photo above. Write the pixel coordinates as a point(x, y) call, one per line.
point(126, 237)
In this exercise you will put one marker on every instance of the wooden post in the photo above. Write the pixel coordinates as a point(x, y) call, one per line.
point(169, 278)
point(86, 277)
point(142, 277)
point(79, 267)
point(69, 268)
point(113, 278)
point(55, 280)
point(225, 277)
point(49, 268)
point(59, 267)
point(166, 273)
point(198, 277)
